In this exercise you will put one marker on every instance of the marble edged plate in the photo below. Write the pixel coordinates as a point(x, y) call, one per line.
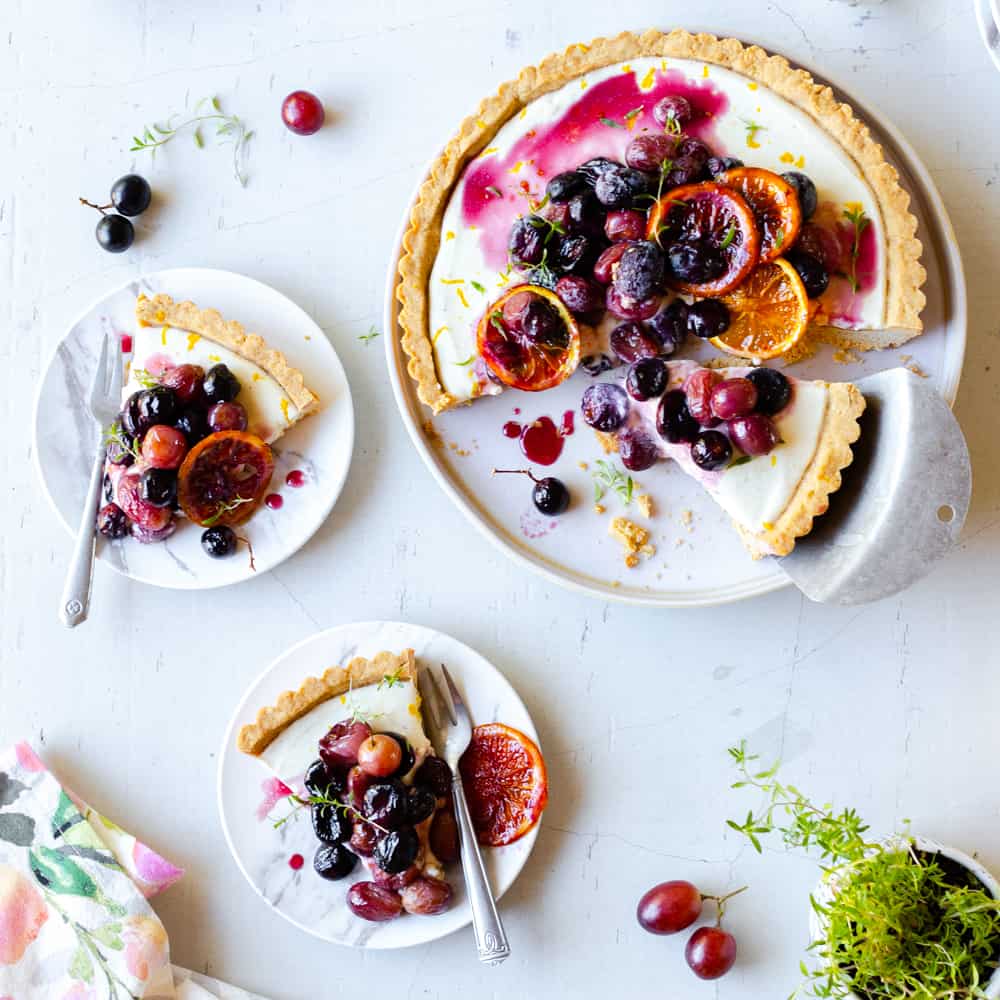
point(320, 446)
point(263, 852)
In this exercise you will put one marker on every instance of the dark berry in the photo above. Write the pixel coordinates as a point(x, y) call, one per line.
point(695, 263)
point(112, 521)
point(435, 774)
point(720, 164)
point(604, 406)
point(192, 424)
point(330, 824)
point(636, 449)
point(822, 244)
point(550, 496)
point(221, 385)
point(632, 341)
point(708, 318)
point(158, 487)
point(670, 325)
point(640, 271)
point(406, 756)
point(334, 861)
point(580, 295)
point(774, 391)
point(806, 190)
point(572, 252)
point(814, 275)
point(584, 214)
point(219, 541)
point(157, 405)
point(526, 244)
point(596, 364)
point(114, 233)
point(129, 416)
point(646, 378)
point(131, 194)
point(120, 449)
point(320, 781)
point(396, 851)
point(711, 450)
point(385, 804)
point(540, 323)
point(107, 488)
point(673, 420)
point(420, 803)
point(563, 186)
point(618, 187)
point(672, 108)
point(597, 167)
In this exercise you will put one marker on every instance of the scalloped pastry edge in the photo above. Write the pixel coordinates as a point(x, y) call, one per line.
point(290, 706)
point(162, 310)
point(904, 273)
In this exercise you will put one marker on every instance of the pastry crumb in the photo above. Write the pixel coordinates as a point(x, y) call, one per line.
point(645, 502)
point(910, 365)
point(845, 356)
point(432, 434)
point(583, 465)
point(608, 442)
point(687, 515)
point(462, 452)
point(634, 539)
point(599, 508)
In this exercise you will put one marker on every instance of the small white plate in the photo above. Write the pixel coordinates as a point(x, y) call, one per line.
point(263, 853)
point(700, 560)
point(321, 446)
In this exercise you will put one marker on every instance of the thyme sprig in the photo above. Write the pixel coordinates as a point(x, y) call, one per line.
point(607, 476)
point(229, 129)
point(114, 435)
point(224, 508)
point(325, 800)
point(367, 338)
point(857, 218)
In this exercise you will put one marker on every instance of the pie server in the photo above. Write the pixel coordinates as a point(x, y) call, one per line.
point(902, 502)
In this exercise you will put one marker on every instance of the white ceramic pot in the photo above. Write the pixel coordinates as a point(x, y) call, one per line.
point(826, 890)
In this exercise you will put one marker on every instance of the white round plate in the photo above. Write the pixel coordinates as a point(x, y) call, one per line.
point(263, 852)
point(321, 446)
point(988, 18)
point(700, 560)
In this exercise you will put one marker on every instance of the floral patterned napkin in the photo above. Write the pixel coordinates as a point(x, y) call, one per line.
point(74, 920)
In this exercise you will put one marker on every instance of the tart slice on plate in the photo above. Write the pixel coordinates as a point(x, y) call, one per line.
point(203, 402)
point(351, 745)
point(633, 178)
point(768, 448)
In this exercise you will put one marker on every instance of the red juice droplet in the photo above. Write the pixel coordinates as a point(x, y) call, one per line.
point(517, 411)
point(567, 427)
point(541, 441)
point(274, 501)
point(126, 343)
point(296, 861)
point(296, 478)
point(512, 429)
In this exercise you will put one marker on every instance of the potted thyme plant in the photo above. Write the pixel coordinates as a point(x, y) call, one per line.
point(898, 918)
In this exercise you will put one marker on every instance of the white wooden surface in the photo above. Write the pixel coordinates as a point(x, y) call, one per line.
point(890, 707)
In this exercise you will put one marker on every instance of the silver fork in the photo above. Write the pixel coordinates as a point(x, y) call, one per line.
point(105, 402)
point(451, 719)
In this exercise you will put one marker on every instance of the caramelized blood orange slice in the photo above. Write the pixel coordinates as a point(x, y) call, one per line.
point(529, 339)
point(768, 313)
point(775, 206)
point(224, 478)
point(714, 219)
point(505, 783)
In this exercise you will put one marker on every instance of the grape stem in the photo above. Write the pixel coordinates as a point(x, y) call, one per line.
point(517, 472)
point(720, 902)
point(100, 208)
point(246, 541)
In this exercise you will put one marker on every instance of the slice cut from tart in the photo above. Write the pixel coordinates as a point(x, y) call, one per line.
point(557, 178)
point(769, 448)
point(351, 745)
point(170, 334)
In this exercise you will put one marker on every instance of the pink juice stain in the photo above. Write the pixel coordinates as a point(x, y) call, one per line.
point(296, 861)
point(841, 302)
point(274, 791)
point(542, 440)
point(126, 342)
point(157, 364)
point(511, 429)
point(572, 139)
point(296, 479)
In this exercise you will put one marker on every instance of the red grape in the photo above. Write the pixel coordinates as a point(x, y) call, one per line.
point(604, 269)
point(711, 952)
point(143, 514)
point(358, 780)
point(647, 152)
point(625, 224)
point(628, 308)
point(339, 748)
point(164, 447)
point(426, 896)
point(374, 902)
point(363, 838)
point(698, 392)
point(302, 112)
point(734, 397)
point(754, 434)
point(673, 107)
point(443, 836)
point(397, 881)
point(227, 417)
point(669, 907)
point(185, 380)
point(379, 756)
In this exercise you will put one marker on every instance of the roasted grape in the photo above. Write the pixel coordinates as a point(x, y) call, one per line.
point(339, 747)
point(426, 896)
point(334, 861)
point(397, 850)
point(753, 434)
point(605, 406)
point(733, 397)
point(374, 902)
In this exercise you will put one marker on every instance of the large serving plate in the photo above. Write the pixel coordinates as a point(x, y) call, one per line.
point(320, 446)
point(699, 559)
point(262, 852)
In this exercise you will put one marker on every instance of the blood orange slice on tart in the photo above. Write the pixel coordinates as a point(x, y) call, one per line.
point(505, 783)
point(709, 235)
point(224, 478)
point(775, 206)
point(529, 339)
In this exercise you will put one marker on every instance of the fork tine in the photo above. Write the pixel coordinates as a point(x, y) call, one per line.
point(116, 376)
point(443, 700)
point(97, 393)
point(429, 699)
point(456, 698)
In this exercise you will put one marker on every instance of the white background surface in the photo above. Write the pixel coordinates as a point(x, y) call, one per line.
point(891, 708)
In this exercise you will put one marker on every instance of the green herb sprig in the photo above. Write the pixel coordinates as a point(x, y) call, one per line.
point(325, 800)
point(114, 435)
point(857, 218)
point(607, 476)
point(225, 508)
point(229, 129)
point(367, 338)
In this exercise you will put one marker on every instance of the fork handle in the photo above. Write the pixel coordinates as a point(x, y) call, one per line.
point(491, 940)
point(75, 603)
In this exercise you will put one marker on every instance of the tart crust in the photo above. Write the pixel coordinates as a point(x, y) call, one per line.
point(290, 706)
point(162, 310)
point(904, 273)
